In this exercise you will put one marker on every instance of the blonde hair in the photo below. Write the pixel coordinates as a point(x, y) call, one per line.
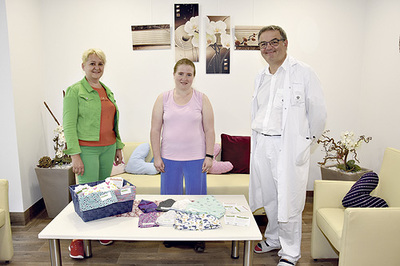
point(95, 51)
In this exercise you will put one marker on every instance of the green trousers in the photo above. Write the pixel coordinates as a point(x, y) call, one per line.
point(98, 162)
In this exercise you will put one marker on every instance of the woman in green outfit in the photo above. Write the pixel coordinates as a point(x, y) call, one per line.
point(90, 120)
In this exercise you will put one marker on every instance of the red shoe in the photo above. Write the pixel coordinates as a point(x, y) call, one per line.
point(263, 247)
point(106, 242)
point(76, 250)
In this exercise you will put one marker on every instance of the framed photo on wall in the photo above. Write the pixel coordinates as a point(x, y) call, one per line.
point(246, 37)
point(218, 44)
point(187, 23)
point(146, 37)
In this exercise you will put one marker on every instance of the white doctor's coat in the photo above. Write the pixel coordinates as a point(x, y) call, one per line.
point(303, 121)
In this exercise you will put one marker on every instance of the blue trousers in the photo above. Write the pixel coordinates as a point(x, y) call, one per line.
point(172, 178)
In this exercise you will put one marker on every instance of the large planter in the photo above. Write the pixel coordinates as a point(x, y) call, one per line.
point(54, 184)
point(331, 172)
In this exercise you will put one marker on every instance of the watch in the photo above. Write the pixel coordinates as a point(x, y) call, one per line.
point(209, 155)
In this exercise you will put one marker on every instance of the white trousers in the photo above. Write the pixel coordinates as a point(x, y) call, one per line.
point(264, 172)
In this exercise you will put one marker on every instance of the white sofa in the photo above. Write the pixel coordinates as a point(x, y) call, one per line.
point(358, 236)
point(223, 184)
point(6, 245)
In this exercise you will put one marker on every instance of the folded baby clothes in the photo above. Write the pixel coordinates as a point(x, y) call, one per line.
point(167, 218)
point(85, 189)
point(136, 212)
point(165, 205)
point(147, 220)
point(180, 205)
point(147, 206)
point(209, 205)
point(126, 193)
point(194, 222)
point(117, 181)
point(96, 200)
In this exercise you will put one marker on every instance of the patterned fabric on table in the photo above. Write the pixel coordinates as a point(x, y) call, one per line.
point(207, 205)
point(147, 220)
point(180, 205)
point(359, 194)
point(126, 193)
point(147, 206)
point(167, 218)
point(96, 200)
point(136, 212)
point(194, 222)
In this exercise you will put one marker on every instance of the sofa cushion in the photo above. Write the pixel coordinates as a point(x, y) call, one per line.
point(236, 149)
point(359, 193)
point(330, 221)
point(219, 167)
point(137, 163)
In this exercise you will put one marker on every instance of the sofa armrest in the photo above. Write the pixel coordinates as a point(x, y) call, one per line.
point(329, 193)
point(4, 194)
point(6, 244)
point(370, 236)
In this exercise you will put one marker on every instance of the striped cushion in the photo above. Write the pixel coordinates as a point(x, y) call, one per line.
point(359, 194)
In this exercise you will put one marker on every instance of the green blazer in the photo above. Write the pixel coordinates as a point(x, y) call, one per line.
point(82, 114)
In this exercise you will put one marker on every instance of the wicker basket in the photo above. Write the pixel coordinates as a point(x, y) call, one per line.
point(123, 205)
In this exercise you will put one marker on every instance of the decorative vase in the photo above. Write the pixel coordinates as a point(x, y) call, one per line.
point(54, 184)
point(331, 172)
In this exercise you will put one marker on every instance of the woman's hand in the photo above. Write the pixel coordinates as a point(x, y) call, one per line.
point(118, 157)
point(208, 162)
point(77, 164)
point(159, 164)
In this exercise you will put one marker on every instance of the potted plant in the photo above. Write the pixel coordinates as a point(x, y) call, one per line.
point(55, 175)
point(344, 155)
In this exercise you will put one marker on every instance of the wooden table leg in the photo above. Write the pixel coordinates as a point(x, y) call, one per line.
point(55, 252)
point(248, 253)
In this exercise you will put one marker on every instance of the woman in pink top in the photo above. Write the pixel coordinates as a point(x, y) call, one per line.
point(182, 134)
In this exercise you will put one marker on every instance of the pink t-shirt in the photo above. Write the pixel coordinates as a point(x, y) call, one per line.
point(183, 136)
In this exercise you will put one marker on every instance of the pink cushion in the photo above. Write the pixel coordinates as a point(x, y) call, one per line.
point(236, 149)
point(219, 167)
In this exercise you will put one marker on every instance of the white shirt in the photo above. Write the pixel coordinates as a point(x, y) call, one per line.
point(268, 119)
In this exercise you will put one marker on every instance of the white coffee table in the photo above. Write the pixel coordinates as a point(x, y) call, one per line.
point(68, 225)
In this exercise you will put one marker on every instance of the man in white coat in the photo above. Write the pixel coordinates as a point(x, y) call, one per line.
point(288, 115)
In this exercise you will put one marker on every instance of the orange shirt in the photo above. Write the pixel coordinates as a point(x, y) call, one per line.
point(107, 134)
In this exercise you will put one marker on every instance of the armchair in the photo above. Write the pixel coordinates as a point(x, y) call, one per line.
point(6, 245)
point(358, 236)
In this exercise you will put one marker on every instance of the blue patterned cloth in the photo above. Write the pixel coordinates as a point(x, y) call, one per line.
point(96, 200)
point(359, 194)
point(194, 222)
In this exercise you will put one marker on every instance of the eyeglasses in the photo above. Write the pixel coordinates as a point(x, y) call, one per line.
point(273, 43)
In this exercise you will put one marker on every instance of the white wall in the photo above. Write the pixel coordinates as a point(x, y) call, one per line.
point(344, 41)
point(8, 141)
point(379, 89)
